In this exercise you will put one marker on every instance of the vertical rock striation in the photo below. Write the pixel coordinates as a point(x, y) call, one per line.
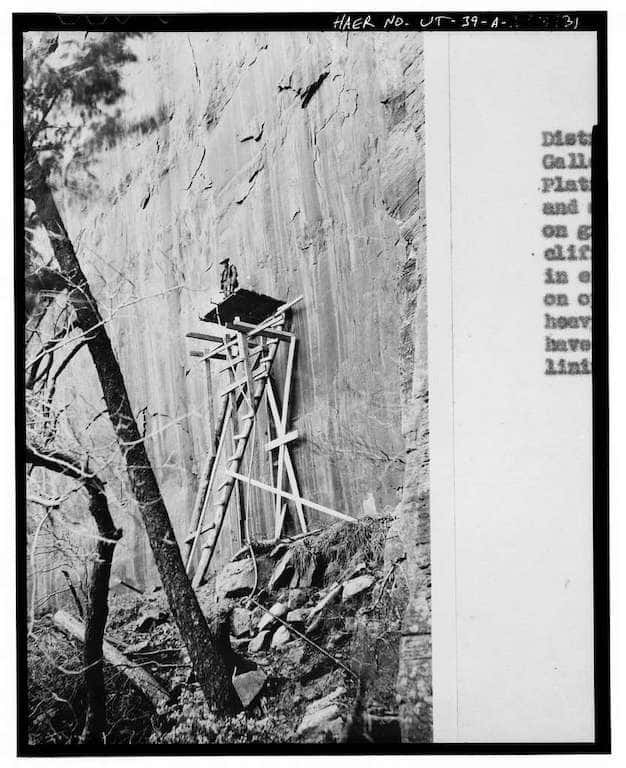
point(300, 156)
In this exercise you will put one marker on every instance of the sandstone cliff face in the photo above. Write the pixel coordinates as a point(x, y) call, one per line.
point(300, 157)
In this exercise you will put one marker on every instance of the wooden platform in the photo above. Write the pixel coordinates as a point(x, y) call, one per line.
point(249, 306)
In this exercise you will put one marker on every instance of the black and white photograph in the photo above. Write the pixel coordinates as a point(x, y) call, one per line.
point(303, 324)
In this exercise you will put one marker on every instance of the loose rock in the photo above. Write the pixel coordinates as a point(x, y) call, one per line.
point(281, 637)
point(235, 580)
point(260, 642)
point(298, 616)
point(297, 598)
point(282, 573)
point(306, 579)
point(295, 653)
point(249, 685)
point(278, 609)
point(330, 598)
point(322, 703)
point(318, 720)
point(240, 620)
point(356, 586)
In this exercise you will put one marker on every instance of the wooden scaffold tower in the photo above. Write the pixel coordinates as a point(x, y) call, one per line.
point(246, 332)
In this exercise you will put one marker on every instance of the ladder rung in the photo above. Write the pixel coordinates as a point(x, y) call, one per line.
point(230, 366)
point(234, 457)
point(247, 416)
point(241, 436)
point(231, 387)
point(235, 361)
point(240, 382)
point(193, 534)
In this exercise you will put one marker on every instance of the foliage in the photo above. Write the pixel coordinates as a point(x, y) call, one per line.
point(56, 694)
point(72, 84)
point(68, 84)
point(338, 544)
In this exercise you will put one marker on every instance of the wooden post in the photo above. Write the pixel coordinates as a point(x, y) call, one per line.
point(205, 483)
point(202, 498)
point(279, 507)
point(291, 475)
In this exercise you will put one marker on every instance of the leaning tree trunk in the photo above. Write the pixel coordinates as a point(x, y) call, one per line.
point(208, 657)
point(98, 592)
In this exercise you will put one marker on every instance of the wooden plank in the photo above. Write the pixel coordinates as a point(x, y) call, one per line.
point(242, 382)
point(205, 355)
point(234, 362)
point(291, 497)
point(255, 358)
point(279, 512)
point(243, 346)
point(293, 435)
point(219, 351)
point(192, 536)
point(203, 336)
point(137, 675)
point(278, 526)
point(291, 475)
point(209, 394)
point(288, 376)
point(268, 433)
point(251, 330)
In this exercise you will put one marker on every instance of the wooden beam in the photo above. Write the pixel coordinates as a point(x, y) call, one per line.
point(291, 475)
point(200, 508)
point(281, 427)
point(253, 331)
point(204, 336)
point(242, 340)
point(192, 536)
point(137, 675)
point(291, 497)
point(219, 351)
point(293, 435)
point(288, 376)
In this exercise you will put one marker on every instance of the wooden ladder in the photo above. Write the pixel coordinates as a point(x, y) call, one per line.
point(249, 352)
point(242, 399)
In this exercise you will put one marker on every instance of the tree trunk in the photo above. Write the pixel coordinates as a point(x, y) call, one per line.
point(98, 593)
point(136, 674)
point(96, 619)
point(209, 663)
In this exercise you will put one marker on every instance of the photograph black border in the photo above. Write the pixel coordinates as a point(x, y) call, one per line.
point(433, 21)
